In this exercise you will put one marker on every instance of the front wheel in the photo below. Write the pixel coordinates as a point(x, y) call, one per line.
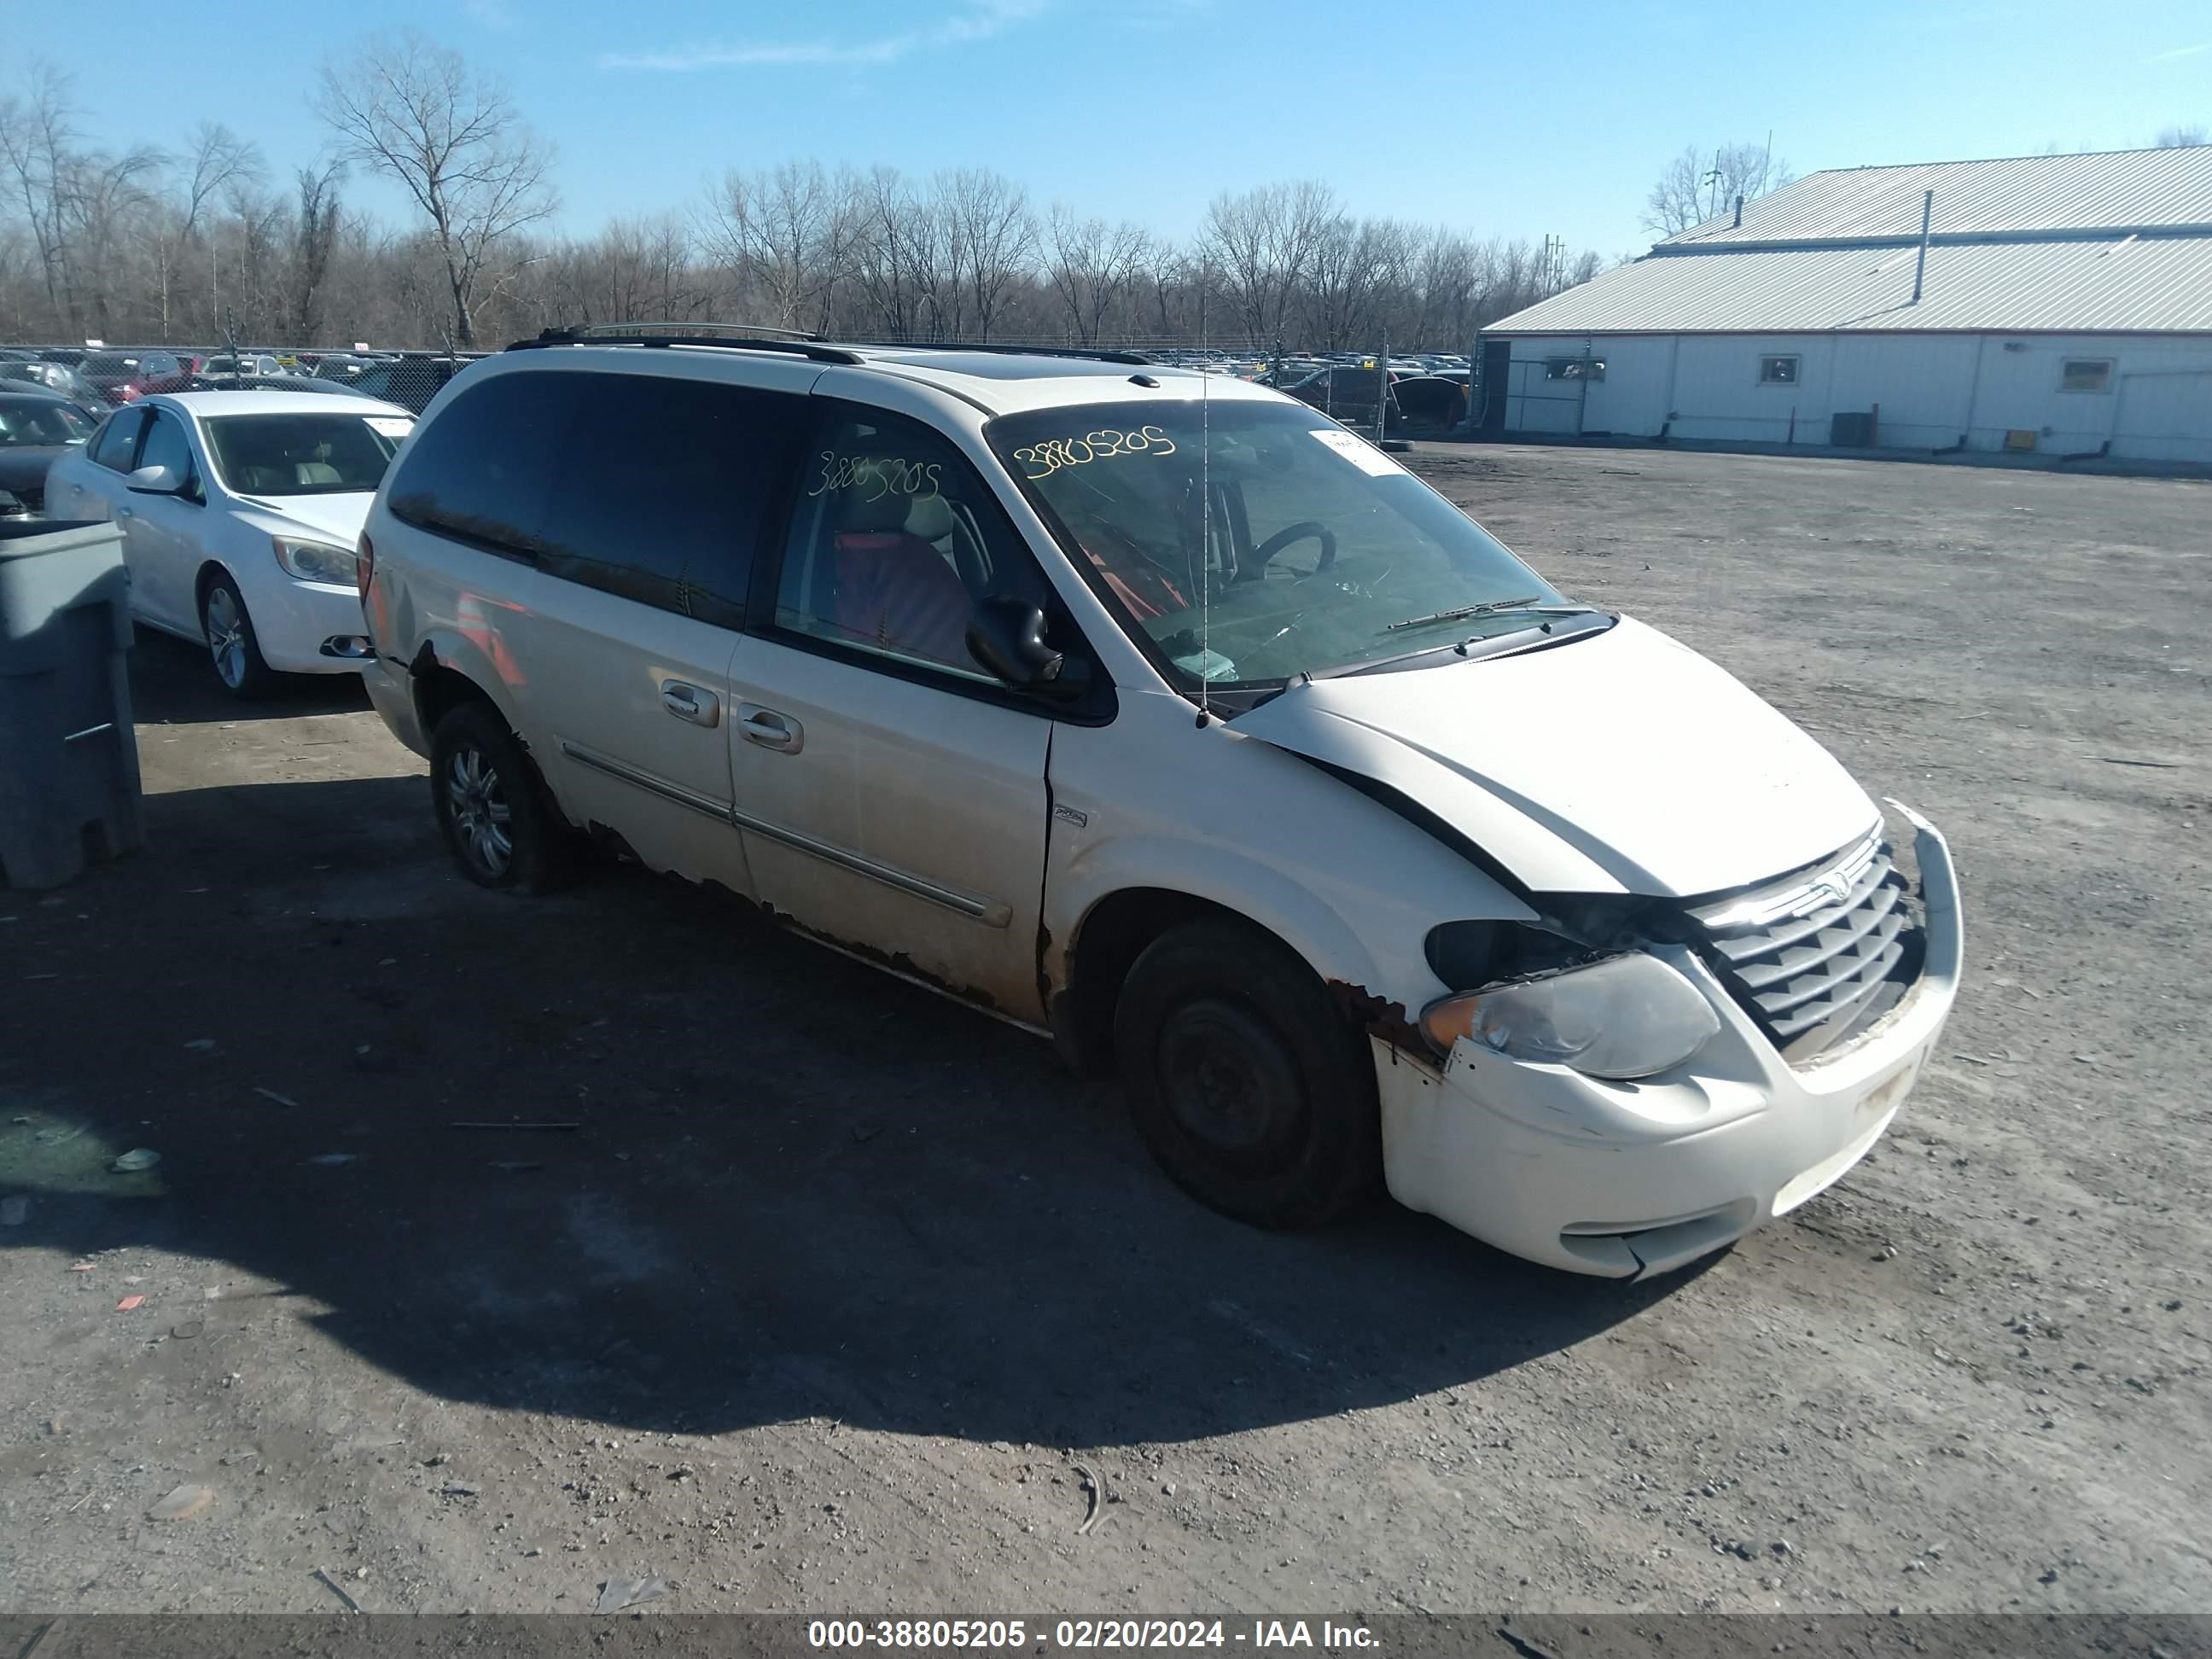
point(231, 642)
point(498, 821)
point(1253, 1088)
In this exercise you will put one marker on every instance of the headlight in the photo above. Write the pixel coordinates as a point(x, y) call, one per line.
point(315, 562)
point(1628, 1015)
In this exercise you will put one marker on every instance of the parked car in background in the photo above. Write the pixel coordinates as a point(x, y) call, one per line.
point(240, 511)
point(37, 428)
point(276, 383)
point(412, 377)
point(163, 371)
point(57, 377)
point(1156, 712)
point(72, 355)
point(111, 373)
point(247, 365)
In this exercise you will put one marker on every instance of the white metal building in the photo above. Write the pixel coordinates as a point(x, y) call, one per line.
point(2058, 304)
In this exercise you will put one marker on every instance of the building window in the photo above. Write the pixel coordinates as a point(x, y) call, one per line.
point(1778, 371)
point(2086, 374)
point(1574, 369)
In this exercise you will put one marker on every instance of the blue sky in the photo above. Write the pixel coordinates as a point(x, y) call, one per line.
point(1513, 119)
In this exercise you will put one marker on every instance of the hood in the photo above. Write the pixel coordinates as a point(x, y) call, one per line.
point(334, 519)
point(1621, 763)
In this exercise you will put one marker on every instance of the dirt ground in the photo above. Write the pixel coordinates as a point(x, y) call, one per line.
point(832, 1285)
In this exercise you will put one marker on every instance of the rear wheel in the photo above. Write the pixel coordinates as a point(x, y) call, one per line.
point(231, 643)
point(1252, 1087)
point(498, 822)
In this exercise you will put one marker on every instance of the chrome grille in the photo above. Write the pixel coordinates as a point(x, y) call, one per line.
point(1816, 958)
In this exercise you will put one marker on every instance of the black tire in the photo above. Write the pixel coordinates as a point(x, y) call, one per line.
point(227, 628)
point(1253, 1088)
point(497, 816)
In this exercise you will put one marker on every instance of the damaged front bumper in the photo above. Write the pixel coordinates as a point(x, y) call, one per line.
point(1625, 1179)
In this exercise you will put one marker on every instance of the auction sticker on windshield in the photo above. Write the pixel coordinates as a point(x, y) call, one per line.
point(1361, 453)
point(388, 426)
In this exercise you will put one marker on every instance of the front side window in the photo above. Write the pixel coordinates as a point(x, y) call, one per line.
point(303, 454)
point(168, 445)
point(1778, 371)
point(1248, 541)
point(2086, 374)
point(117, 438)
point(893, 540)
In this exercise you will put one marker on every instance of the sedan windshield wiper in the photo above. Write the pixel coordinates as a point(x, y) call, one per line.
point(1461, 613)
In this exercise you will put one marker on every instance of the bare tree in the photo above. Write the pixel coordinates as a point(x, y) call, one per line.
point(216, 159)
point(416, 111)
point(1259, 244)
point(1701, 185)
point(1350, 273)
point(1090, 265)
point(785, 234)
point(314, 240)
point(38, 140)
point(888, 251)
point(992, 235)
point(2182, 137)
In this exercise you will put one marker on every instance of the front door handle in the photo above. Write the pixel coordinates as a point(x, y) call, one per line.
point(690, 702)
point(127, 513)
point(769, 729)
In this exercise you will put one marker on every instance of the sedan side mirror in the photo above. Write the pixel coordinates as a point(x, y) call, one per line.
point(1006, 636)
point(156, 480)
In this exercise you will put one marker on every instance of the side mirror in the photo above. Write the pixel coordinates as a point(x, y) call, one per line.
point(155, 481)
point(1006, 636)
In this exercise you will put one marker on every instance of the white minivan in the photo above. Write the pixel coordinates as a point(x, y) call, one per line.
point(1157, 713)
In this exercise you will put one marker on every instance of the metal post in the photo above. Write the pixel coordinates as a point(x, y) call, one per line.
point(1381, 387)
point(1920, 269)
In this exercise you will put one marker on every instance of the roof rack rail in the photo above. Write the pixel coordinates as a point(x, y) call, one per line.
point(739, 336)
point(1096, 354)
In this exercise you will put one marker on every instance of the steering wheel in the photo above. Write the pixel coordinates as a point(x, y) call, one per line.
point(1296, 532)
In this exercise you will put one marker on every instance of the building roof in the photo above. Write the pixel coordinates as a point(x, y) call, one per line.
point(2119, 190)
point(2074, 244)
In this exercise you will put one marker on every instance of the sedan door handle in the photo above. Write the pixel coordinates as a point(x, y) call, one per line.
point(769, 729)
point(127, 513)
point(689, 702)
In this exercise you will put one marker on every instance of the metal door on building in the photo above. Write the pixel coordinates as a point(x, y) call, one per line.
point(1497, 371)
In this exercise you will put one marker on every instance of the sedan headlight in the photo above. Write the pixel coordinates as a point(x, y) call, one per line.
point(315, 562)
point(1628, 1015)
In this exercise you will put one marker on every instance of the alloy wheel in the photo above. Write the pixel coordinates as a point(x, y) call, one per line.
point(482, 816)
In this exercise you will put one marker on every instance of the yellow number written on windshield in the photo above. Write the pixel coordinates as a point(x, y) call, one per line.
point(1054, 454)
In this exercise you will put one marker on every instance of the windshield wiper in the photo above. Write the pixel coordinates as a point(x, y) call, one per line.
point(1461, 613)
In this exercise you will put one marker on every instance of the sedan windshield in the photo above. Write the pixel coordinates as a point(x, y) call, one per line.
point(1314, 550)
point(40, 423)
point(304, 454)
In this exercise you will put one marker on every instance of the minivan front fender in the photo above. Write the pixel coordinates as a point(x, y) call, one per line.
point(1351, 886)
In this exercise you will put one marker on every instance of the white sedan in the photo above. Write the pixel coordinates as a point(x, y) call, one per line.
point(240, 511)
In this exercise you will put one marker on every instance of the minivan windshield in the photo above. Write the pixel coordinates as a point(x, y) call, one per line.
point(1313, 551)
point(304, 454)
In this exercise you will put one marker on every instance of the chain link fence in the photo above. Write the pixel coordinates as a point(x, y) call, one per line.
point(1424, 395)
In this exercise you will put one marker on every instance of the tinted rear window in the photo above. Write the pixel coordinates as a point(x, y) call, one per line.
point(652, 487)
point(483, 470)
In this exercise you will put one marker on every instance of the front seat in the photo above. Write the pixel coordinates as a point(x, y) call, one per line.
point(894, 590)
